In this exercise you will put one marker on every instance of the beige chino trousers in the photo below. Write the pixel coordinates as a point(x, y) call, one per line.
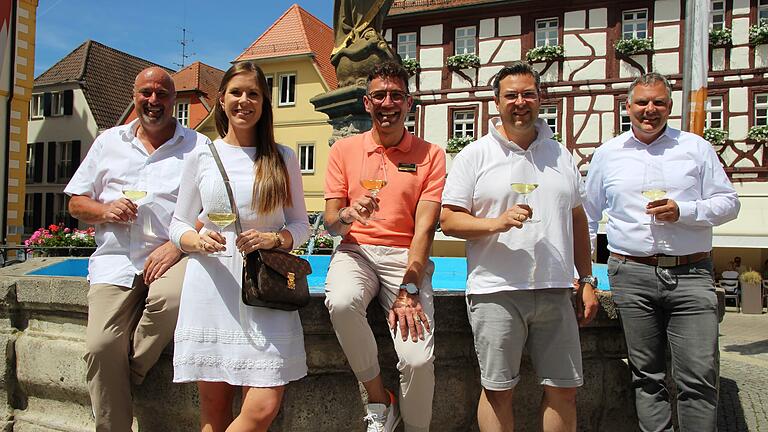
point(356, 275)
point(128, 328)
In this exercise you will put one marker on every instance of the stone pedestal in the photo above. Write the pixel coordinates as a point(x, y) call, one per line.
point(345, 110)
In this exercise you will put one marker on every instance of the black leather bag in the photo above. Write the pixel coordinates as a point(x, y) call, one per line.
point(274, 278)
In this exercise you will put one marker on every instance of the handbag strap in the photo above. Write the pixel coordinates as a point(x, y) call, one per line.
point(238, 227)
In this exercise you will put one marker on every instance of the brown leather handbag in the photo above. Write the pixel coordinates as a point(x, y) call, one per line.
point(274, 278)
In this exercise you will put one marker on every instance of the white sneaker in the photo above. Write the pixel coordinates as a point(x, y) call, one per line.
point(380, 418)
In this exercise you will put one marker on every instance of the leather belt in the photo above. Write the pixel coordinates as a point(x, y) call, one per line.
point(661, 260)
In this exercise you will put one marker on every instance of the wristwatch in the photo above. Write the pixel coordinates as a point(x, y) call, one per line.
point(410, 288)
point(592, 280)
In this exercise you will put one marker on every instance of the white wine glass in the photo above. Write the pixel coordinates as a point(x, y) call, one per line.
point(373, 176)
point(220, 211)
point(524, 180)
point(654, 187)
point(135, 192)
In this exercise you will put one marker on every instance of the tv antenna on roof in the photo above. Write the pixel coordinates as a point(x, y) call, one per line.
point(184, 42)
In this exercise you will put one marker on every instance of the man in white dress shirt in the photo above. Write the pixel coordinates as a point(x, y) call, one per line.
point(135, 274)
point(660, 266)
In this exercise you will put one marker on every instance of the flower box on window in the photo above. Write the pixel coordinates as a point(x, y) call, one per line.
point(58, 240)
point(557, 137)
point(463, 61)
point(758, 33)
point(628, 47)
point(715, 136)
point(720, 38)
point(545, 53)
point(412, 66)
point(758, 133)
point(456, 144)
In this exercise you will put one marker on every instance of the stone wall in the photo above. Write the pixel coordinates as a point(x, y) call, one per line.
point(42, 327)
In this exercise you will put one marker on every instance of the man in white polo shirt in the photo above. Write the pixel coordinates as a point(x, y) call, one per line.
point(521, 257)
point(135, 274)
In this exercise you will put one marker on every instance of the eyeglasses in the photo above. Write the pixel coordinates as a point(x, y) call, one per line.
point(527, 96)
point(380, 96)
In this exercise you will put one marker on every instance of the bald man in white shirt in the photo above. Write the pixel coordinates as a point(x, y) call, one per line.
point(663, 190)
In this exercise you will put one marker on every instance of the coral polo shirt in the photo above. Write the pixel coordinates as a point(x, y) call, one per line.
point(415, 172)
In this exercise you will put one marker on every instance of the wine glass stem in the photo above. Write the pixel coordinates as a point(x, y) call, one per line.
point(373, 195)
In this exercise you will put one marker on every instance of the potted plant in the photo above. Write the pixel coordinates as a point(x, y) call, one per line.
point(758, 33)
point(751, 292)
point(412, 66)
point(545, 53)
point(715, 136)
point(758, 133)
point(719, 38)
point(455, 144)
point(463, 61)
point(58, 240)
point(628, 47)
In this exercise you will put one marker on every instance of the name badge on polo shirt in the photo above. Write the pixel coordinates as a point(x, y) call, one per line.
point(406, 167)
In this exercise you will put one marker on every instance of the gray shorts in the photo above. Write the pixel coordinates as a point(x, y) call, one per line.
point(541, 321)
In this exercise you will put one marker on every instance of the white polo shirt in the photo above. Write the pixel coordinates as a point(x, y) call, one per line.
point(117, 158)
point(538, 256)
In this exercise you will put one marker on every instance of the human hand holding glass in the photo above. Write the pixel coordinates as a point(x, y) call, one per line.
point(373, 176)
point(220, 211)
point(524, 180)
point(654, 189)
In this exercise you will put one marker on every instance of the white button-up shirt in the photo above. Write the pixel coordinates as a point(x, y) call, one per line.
point(692, 176)
point(119, 160)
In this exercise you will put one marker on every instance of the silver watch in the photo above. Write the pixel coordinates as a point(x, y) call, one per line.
point(592, 280)
point(410, 288)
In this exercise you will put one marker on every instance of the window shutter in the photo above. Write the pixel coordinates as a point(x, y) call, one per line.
point(75, 156)
point(37, 212)
point(48, 209)
point(47, 100)
point(69, 99)
point(37, 152)
point(51, 162)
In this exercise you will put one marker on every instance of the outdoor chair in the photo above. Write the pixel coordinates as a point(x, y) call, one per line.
point(730, 283)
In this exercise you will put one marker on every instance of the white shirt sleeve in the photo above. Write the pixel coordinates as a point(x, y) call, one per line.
point(189, 203)
point(296, 221)
point(86, 179)
point(594, 197)
point(460, 183)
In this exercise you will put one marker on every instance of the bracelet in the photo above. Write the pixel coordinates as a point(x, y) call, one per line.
point(278, 240)
point(341, 219)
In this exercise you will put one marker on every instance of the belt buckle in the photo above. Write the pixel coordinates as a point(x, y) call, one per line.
point(666, 261)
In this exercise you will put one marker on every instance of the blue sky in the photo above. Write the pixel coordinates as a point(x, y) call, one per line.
point(219, 30)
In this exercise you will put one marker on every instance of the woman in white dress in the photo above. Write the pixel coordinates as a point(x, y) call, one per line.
point(219, 342)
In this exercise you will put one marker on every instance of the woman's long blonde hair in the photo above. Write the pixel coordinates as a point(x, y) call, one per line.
point(271, 186)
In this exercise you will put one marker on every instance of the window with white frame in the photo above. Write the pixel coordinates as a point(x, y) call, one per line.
point(60, 212)
point(465, 40)
point(546, 32)
point(549, 114)
point(463, 124)
point(762, 10)
point(714, 112)
point(64, 163)
point(717, 15)
point(182, 113)
point(625, 123)
point(307, 158)
point(36, 106)
point(634, 24)
point(287, 89)
point(761, 109)
point(31, 162)
point(57, 104)
point(410, 123)
point(406, 45)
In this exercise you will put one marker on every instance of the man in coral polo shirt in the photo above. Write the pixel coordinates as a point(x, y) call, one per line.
point(385, 250)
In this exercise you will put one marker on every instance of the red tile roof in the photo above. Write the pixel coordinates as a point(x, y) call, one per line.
point(105, 74)
point(402, 7)
point(296, 32)
point(199, 77)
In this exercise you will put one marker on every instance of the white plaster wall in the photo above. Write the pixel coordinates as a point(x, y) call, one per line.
point(675, 123)
point(430, 80)
point(436, 124)
point(459, 82)
point(628, 71)
point(484, 93)
point(432, 35)
point(574, 47)
point(575, 20)
point(571, 65)
point(457, 95)
point(740, 7)
point(550, 75)
point(595, 70)
point(740, 27)
point(581, 104)
point(666, 10)
point(509, 26)
point(718, 59)
point(598, 41)
point(79, 126)
point(598, 18)
point(677, 103)
point(511, 50)
point(738, 126)
point(607, 120)
point(604, 103)
point(738, 99)
point(492, 109)
point(667, 63)
point(486, 75)
point(487, 28)
point(486, 50)
point(761, 56)
point(739, 57)
point(591, 133)
point(388, 35)
point(666, 37)
point(431, 57)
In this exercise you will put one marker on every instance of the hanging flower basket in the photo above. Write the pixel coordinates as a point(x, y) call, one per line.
point(715, 136)
point(463, 61)
point(720, 38)
point(628, 47)
point(412, 66)
point(545, 53)
point(758, 33)
point(456, 144)
point(758, 133)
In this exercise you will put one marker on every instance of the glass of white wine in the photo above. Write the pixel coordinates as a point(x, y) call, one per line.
point(524, 180)
point(654, 187)
point(220, 211)
point(373, 175)
point(135, 193)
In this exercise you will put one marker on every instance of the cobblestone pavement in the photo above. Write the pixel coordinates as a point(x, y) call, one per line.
point(743, 373)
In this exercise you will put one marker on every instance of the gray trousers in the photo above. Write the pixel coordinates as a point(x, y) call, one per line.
point(675, 307)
